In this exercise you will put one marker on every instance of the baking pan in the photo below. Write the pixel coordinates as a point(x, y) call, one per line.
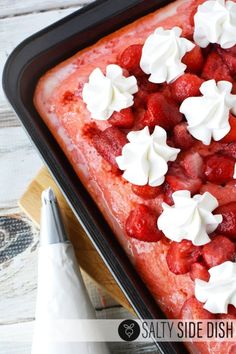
point(28, 62)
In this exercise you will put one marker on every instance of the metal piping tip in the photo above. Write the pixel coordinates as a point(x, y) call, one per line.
point(52, 228)
point(48, 196)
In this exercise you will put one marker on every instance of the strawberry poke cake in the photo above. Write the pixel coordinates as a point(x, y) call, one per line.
point(147, 118)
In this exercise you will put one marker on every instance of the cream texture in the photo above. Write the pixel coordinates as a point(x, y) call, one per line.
point(106, 94)
point(189, 218)
point(144, 159)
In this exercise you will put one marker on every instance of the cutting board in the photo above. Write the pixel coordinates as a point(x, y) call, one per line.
point(87, 256)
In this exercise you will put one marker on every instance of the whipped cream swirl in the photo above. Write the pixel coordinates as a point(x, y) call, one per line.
point(220, 290)
point(105, 94)
point(162, 53)
point(215, 22)
point(208, 115)
point(144, 159)
point(189, 218)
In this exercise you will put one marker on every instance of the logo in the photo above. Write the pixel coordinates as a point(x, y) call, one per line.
point(129, 330)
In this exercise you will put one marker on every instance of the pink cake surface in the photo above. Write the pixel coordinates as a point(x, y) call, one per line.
point(58, 99)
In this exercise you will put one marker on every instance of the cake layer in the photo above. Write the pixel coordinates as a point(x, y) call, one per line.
point(58, 99)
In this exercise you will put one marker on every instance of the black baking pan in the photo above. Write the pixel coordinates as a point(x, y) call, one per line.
point(28, 62)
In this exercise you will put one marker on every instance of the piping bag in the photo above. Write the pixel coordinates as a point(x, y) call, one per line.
point(61, 295)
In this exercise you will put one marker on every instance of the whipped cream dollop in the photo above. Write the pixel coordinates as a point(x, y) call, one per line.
point(105, 94)
point(189, 218)
point(208, 115)
point(215, 22)
point(144, 159)
point(220, 290)
point(162, 53)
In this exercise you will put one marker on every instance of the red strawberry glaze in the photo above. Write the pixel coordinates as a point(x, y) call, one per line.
point(219, 169)
point(123, 119)
point(181, 137)
point(199, 271)
point(215, 68)
point(162, 111)
point(194, 60)
point(114, 196)
point(181, 256)
point(218, 251)
point(228, 225)
point(142, 224)
point(185, 86)
point(224, 194)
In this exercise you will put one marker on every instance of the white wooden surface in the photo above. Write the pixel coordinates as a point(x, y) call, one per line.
point(19, 162)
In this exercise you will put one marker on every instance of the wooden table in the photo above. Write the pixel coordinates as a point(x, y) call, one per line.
point(19, 162)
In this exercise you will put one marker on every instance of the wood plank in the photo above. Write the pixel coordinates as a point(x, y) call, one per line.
point(13, 31)
point(16, 7)
point(19, 163)
point(86, 254)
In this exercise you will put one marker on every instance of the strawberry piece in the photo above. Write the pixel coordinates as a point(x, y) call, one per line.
point(109, 143)
point(123, 119)
point(224, 194)
point(140, 99)
point(228, 225)
point(168, 191)
point(192, 163)
point(192, 309)
point(146, 85)
point(199, 271)
point(178, 180)
point(142, 224)
point(231, 136)
point(229, 58)
point(218, 251)
point(161, 111)
point(194, 60)
point(182, 138)
point(215, 68)
point(229, 150)
point(231, 315)
point(219, 169)
point(185, 86)
point(146, 192)
point(130, 59)
point(181, 255)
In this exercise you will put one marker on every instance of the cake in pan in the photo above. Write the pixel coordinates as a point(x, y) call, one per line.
point(146, 116)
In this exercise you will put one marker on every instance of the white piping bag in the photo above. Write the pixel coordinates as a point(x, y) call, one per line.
point(62, 295)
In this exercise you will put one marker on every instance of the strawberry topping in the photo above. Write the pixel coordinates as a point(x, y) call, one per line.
point(218, 251)
point(146, 192)
point(224, 194)
point(181, 255)
point(199, 271)
point(219, 169)
point(231, 136)
point(215, 68)
point(228, 225)
point(130, 59)
point(229, 150)
point(123, 119)
point(185, 86)
point(161, 111)
point(178, 180)
point(142, 224)
point(192, 163)
point(182, 138)
point(194, 60)
point(229, 58)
